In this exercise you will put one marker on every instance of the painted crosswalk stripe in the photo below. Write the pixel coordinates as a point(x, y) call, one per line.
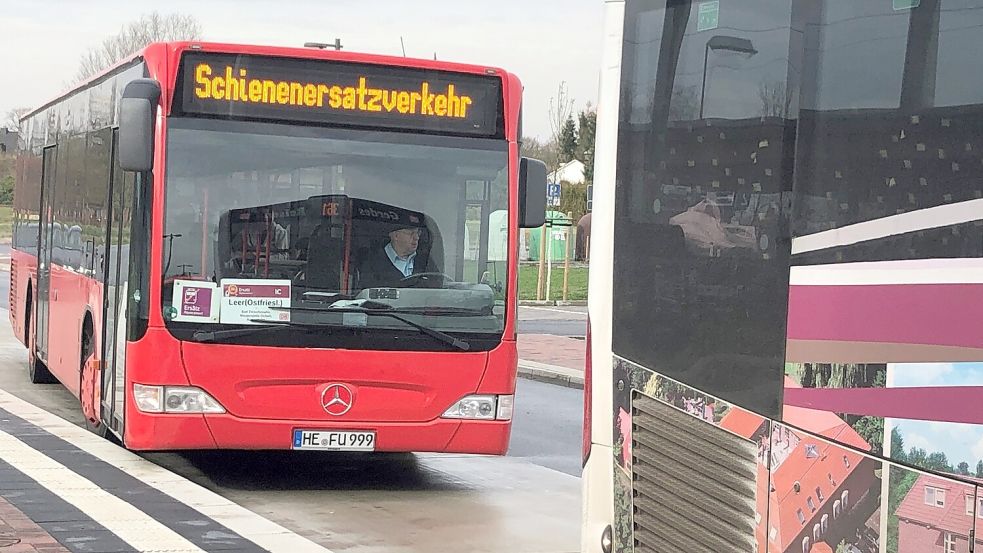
point(62, 521)
point(119, 517)
point(236, 518)
point(200, 530)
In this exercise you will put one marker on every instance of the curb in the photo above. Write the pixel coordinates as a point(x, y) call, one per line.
point(551, 374)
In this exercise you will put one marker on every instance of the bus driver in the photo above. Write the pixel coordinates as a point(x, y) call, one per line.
point(386, 267)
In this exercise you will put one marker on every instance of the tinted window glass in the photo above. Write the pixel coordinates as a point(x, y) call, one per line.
point(701, 243)
point(892, 127)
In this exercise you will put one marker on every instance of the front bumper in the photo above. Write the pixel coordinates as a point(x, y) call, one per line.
point(157, 432)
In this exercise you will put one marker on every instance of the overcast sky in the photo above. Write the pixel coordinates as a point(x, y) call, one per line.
point(542, 41)
point(959, 442)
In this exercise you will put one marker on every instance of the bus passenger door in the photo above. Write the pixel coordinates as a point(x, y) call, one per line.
point(44, 253)
point(114, 317)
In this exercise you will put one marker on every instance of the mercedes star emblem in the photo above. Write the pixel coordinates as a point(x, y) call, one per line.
point(336, 399)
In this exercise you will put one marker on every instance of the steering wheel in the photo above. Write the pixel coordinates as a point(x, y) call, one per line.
point(434, 279)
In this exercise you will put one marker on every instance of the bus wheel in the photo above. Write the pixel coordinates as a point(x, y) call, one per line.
point(90, 389)
point(36, 369)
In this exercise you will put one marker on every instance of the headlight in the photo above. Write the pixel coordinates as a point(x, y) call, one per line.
point(174, 399)
point(481, 408)
point(473, 407)
point(190, 400)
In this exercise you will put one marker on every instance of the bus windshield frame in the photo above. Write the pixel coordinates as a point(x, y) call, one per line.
point(246, 202)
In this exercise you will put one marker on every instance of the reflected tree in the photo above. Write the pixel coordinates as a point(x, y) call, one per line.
point(775, 99)
point(684, 104)
point(897, 446)
point(872, 431)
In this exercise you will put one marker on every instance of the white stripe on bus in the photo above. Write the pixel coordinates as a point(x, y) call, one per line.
point(908, 271)
point(892, 225)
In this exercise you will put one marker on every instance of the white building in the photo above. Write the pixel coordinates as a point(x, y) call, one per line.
point(571, 171)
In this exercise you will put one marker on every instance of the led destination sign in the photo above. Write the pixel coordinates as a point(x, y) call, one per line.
point(328, 92)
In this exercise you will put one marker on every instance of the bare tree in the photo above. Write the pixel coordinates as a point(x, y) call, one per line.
point(561, 110)
point(12, 121)
point(684, 104)
point(775, 99)
point(133, 36)
point(543, 151)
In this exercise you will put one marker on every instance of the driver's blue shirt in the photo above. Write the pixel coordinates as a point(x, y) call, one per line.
point(402, 264)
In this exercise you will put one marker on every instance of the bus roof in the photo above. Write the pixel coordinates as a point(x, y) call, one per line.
point(335, 55)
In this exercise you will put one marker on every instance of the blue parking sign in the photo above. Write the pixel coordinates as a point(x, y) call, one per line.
point(552, 190)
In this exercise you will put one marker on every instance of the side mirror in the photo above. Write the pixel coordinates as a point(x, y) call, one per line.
point(137, 112)
point(532, 193)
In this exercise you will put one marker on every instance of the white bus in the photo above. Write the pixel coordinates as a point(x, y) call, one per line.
point(785, 341)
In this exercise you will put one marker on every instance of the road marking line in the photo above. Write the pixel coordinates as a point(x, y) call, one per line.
point(551, 310)
point(111, 512)
point(251, 526)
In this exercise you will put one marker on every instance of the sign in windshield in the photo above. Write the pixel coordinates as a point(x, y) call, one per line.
point(330, 92)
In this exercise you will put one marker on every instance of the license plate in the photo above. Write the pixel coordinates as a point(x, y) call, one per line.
point(334, 440)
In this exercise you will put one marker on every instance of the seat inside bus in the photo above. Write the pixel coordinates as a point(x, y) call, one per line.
point(263, 242)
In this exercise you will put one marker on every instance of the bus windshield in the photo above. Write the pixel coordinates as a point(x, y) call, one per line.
point(272, 223)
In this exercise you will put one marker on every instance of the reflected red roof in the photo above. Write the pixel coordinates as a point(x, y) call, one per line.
point(823, 423)
point(741, 422)
point(811, 461)
point(951, 517)
point(813, 464)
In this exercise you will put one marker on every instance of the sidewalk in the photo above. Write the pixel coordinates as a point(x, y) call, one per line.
point(555, 359)
point(18, 534)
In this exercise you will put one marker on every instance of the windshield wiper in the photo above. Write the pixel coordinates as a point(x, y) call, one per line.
point(212, 335)
point(388, 311)
point(381, 308)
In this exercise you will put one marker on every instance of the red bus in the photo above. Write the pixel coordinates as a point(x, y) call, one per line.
point(224, 246)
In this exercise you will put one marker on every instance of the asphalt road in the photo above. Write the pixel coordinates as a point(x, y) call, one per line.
point(547, 425)
point(561, 321)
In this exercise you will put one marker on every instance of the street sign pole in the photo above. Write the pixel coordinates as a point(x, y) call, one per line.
point(566, 258)
point(553, 200)
point(542, 260)
point(549, 266)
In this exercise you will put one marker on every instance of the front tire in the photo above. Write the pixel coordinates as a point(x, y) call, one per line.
point(36, 369)
point(90, 389)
